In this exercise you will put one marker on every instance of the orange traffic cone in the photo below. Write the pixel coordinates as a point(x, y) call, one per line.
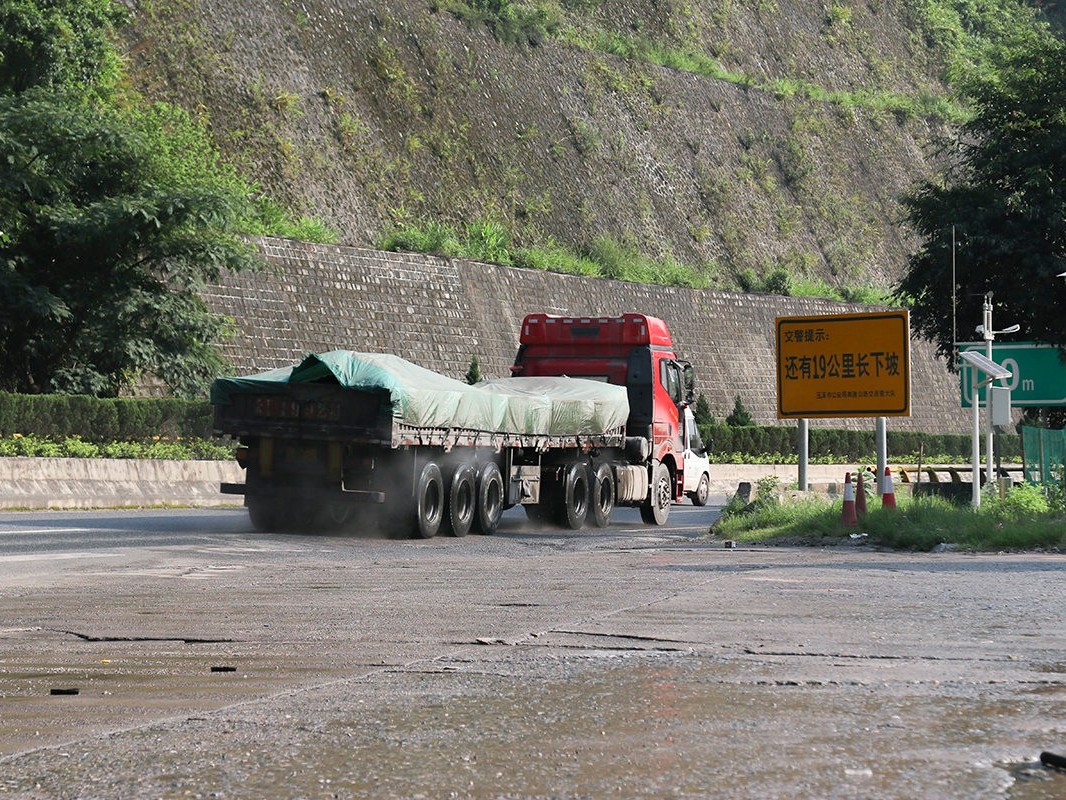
point(888, 496)
point(860, 496)
point(849, 519)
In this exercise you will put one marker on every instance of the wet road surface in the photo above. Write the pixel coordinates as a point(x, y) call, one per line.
point(213, 661)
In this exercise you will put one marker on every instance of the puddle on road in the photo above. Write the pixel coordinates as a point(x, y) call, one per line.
point(602, 725)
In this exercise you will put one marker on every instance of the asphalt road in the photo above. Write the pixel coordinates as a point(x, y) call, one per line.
point(212, 661)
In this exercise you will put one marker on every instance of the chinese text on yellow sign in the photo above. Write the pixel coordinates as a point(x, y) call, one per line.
point(844, 365)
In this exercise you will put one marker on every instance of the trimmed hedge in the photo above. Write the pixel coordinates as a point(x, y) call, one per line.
point(103, 420)
point(848, 445)
point(124, 419)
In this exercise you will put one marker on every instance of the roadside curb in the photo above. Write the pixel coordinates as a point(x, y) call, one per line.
point(67, 483)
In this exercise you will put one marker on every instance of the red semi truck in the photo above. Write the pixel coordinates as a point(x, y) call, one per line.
point(592, 418)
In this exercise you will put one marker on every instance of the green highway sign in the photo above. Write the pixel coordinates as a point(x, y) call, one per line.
point(1038, 373)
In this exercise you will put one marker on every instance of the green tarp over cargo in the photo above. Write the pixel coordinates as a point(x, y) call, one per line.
point(425, 399)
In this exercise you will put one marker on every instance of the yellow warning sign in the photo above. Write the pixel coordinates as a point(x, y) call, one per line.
point(844, 365)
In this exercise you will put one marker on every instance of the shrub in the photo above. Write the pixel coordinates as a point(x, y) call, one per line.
point(156, 448)
point(473, 375)
point(740, 416)
point(1022, 501)
point(103, 419)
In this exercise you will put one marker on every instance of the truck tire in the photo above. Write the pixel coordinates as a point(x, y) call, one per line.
point(329, 517)
point(603, 495)
point(574, 508)
point(703, 491)
point(489, 499)
point(462, 500)
point(539, 513)
point(656, 508)
point(429, 501)
point(265, 515)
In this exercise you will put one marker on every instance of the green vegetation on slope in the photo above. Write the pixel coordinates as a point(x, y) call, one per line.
point(920, 104)
point(582, 124)
point(968, 37)
point(488, 240)
point(968, 34)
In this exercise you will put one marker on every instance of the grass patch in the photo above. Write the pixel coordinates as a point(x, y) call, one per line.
point(488, 240)
point(1027, 518)
point(604, 257)
point(534, 22)
point(922, 104)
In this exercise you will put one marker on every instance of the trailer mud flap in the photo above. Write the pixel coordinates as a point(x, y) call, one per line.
point(524, 485)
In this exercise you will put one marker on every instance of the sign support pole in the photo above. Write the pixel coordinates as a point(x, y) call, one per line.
point(881, 436)
point(804, 453)
point(975, 496)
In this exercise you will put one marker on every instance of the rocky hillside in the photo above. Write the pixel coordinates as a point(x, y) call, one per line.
point(781, 134)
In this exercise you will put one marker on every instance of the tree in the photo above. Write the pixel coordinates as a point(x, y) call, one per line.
point(473, 375)
point(739, 417)
point(114, 213)
point(103, 251)
point(1005, 196)
point(58, 43)
point(701, 411)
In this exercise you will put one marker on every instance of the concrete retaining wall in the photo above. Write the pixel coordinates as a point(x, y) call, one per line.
point(114, 483)
point(441, 312)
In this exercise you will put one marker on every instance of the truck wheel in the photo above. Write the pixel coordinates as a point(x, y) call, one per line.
point(489, 499)
point(656, 509)
point(265, 515)
point(333, 517)
point(538, 513)
point(575, 497)
point(602, 496)
point(429, 502)
point(703, 491)
point(462, 499)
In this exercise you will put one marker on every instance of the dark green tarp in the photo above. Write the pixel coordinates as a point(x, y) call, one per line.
point(425, 399)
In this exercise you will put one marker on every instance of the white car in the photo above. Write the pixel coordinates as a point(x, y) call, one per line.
point(697, 467)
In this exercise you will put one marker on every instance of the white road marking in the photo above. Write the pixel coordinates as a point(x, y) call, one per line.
point(57, 556)
point(57, 530)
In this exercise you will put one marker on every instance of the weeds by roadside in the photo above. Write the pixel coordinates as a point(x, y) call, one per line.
point(1026, 518)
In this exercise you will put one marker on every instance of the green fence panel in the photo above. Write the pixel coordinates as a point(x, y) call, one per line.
point(1044, 455)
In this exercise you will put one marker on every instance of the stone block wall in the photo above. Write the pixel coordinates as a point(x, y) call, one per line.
point(440, 312)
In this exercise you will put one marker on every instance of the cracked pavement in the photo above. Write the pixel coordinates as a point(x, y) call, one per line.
point(629, 662)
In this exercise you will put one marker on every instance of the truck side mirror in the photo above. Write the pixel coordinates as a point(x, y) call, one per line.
point(688, 377)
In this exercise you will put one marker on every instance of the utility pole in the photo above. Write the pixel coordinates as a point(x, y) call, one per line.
point(989, 334)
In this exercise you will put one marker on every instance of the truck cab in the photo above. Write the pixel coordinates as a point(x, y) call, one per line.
point(633, 350)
